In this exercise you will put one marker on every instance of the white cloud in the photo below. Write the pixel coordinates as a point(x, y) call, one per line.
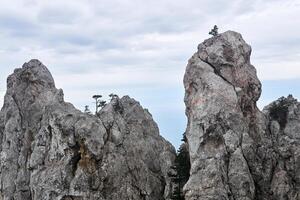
point(279, 70)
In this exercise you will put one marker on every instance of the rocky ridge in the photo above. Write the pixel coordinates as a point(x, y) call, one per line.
point(50, 150)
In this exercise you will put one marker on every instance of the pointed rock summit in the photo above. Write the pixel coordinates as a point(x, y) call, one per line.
point(236, 151)
point(49, 150)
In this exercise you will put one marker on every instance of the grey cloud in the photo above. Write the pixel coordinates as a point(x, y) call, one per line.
point(17, 26)
point(65, 41)
point(167, 24)
point(279, 49)
point(78, 40)
point(79, 69)
point(108, 43)
point(58, 15)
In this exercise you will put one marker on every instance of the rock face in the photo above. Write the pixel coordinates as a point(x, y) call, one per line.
point(50, 150)
point(237, 152)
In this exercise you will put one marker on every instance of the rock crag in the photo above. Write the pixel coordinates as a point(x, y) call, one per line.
point(237, 152)
point(50, 150)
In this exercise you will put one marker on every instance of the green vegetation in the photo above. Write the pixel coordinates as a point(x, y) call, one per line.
point(214, 31)
point(279, 110)
point(99, 102)
point(113, 96)
point(87, 110)
point(97, 99)
point(182, 171)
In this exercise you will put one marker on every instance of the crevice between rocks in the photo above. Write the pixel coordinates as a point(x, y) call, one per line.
point(216, 71)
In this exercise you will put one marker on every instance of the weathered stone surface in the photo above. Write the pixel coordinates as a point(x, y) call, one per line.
point(284, 128)
point(50, 150)
point(236, 151)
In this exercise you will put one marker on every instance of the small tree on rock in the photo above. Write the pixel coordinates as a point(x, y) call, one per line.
point(113, 96)
point(102, 104)
point(87, 110)
point(97, 101)
point(214, 31)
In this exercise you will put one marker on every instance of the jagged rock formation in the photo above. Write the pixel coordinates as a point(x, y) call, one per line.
point(236, 151)
point(50, 150)
point(284, 129)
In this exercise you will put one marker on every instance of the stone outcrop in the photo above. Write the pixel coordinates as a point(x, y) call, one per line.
point(50, 150)
point(237, 152)
point(284, 129)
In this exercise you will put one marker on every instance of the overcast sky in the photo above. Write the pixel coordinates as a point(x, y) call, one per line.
point(141, 48)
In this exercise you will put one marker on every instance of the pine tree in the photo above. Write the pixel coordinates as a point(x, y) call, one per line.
point(102, 104)
point(87, 110)
point(182, 171)
point(97, 99)
point(214, 31)
point(113, 96)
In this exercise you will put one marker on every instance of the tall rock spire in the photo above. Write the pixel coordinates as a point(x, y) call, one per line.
point(232, 151)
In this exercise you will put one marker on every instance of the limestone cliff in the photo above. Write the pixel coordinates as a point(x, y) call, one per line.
point(236, 151)
point(50, 150)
